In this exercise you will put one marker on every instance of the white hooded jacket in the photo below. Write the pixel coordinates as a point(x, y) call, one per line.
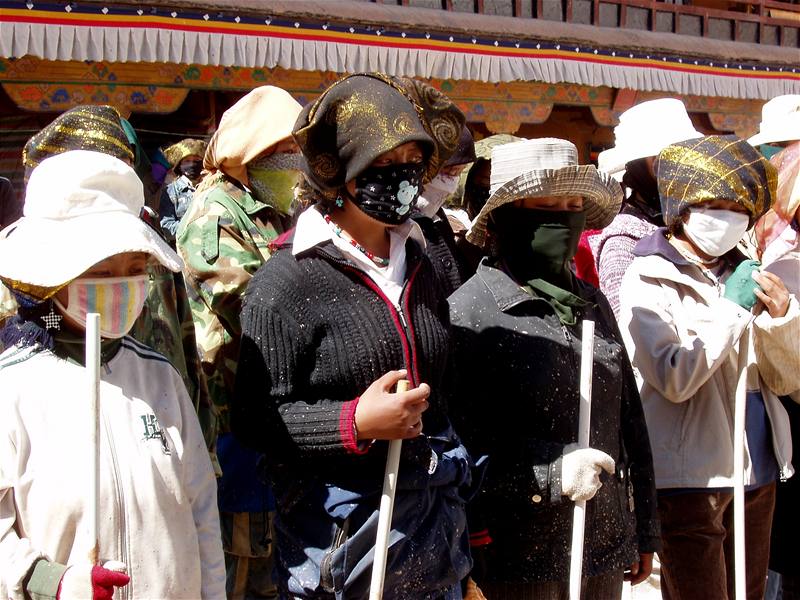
point(157, 505)
point(684, 340)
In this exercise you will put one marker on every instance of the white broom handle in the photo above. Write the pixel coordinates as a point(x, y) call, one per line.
point(385, 512)
point(739, 568)
point(584, 426)
point(93, 381)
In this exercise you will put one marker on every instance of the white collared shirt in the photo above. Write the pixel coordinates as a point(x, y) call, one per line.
point(312, 229)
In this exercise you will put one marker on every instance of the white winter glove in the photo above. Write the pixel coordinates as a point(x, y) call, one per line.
point(95, 582)
point(580, 471)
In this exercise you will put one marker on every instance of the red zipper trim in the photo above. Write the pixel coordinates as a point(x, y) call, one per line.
point(410, 363)
point(412, 337)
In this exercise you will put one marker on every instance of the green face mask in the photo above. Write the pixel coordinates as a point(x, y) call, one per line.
point(537, 246)
point(273, 179)
point(538, 243)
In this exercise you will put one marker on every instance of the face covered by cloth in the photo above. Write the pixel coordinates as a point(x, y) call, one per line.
point(715, 231)
point(118, 300)
point(387, 194)
point(191, 168)
point(644, 190)
point(538, 244)
point(436, 192)
point(273, 179)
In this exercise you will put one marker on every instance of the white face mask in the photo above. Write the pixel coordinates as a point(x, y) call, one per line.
point(715, 231)
point(119, 300)
point(435, 193)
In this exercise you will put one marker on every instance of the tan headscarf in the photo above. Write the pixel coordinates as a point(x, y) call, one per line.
point(258, 121)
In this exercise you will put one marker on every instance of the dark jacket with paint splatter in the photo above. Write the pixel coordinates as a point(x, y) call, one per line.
point(317, 331)
point(515, 397)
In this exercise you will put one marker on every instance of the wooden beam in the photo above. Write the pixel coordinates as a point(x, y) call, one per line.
point(623, 100)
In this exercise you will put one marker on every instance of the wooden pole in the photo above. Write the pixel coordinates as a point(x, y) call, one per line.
point(584, 427)
point(385, 513)
point(93, 381)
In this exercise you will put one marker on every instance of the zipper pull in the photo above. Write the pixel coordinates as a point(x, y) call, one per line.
point(631, 505)
point(402, 318)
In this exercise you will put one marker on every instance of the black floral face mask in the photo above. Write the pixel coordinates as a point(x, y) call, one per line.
point(388, 193)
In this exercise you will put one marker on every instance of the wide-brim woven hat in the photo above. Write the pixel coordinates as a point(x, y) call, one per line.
point(646, 129)
point(547, 167)
point(780, 121)
point(81, 207)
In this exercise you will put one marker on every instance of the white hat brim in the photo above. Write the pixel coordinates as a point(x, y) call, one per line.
point(790, 132)
point(601, 193)
point(49, 253)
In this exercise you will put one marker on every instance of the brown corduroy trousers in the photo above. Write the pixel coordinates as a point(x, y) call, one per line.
point(697, 537)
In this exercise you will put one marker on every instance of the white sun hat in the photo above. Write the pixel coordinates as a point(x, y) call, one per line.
point(645, 130)
point(780, 121)
point(81, 207)
point(547, 167)
point(605, 161)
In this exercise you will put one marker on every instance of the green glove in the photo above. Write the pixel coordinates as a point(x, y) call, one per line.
point(740, 287)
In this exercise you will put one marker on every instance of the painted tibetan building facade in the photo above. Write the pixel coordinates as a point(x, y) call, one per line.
point(173, 68)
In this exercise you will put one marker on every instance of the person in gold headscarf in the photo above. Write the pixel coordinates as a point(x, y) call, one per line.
point(346, 307)
point(237, 211)
point(694, 312)
point(186, 158)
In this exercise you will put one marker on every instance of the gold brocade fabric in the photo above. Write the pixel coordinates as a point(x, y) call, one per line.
point(186, 147)
point(362, 116)
point(717, 167)
point(96, 128)
point(442, 120)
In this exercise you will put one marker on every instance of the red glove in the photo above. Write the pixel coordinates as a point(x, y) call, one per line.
point(78, 579)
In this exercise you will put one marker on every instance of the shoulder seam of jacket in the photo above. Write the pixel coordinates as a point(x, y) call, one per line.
point(144, 351)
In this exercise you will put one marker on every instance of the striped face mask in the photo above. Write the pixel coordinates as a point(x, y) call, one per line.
point(119, 300)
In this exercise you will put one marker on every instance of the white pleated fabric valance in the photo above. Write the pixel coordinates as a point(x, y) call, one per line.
point(130, 34)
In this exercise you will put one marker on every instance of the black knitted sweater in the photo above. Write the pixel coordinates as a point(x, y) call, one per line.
point(316, 332)
point(442, 250)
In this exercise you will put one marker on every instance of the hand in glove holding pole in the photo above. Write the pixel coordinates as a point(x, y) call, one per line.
point(580, 471)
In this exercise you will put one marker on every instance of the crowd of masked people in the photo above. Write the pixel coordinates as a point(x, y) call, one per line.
point(258, 311)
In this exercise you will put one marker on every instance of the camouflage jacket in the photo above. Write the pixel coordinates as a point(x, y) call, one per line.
point(223, 239)
point(165, 325)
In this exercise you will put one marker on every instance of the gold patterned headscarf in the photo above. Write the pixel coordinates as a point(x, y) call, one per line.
point(186, 147)
point(716, 167)
point(443, 121)
point(352, 123)
point(87, 127)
